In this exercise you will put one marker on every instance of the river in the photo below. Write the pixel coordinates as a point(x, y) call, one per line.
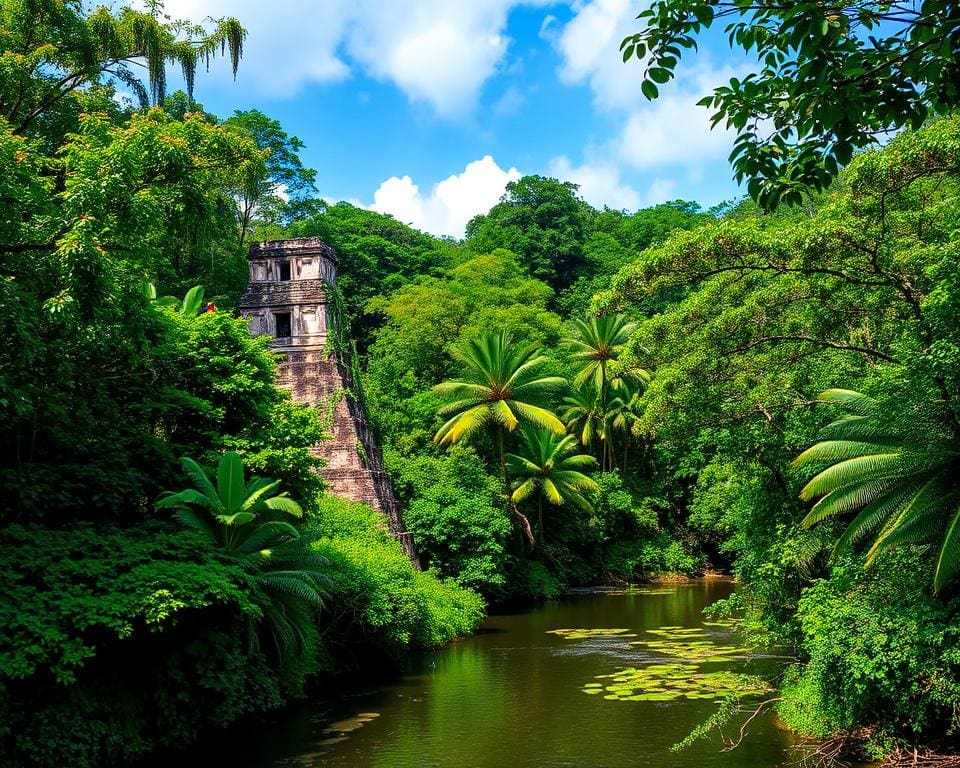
point(543, 689)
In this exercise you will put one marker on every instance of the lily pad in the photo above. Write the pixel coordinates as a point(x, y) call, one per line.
point(668, 682)
point(583, 634)
point(688, 644)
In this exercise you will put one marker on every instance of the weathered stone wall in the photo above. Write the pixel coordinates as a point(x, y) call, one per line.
point(312, 372)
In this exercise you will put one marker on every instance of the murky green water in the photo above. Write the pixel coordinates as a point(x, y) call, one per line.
point(513, 697)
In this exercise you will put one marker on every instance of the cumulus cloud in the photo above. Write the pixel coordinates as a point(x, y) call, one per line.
point(589, 48)
point(600, 183)
point(671, 131)
point(451, 203)
point(291, 43)
point(435, 51)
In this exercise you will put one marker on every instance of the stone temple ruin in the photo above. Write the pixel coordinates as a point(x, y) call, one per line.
point(289, 299)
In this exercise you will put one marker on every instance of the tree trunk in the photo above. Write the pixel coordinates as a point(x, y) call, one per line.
point(508, 491)
point(543, 538)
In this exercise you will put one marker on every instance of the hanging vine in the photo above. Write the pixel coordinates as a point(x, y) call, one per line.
point(340, 344)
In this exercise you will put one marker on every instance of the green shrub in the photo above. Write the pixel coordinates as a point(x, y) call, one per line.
point(456, 513)
point(880, 651)
point(379, 598)
point(152, 615)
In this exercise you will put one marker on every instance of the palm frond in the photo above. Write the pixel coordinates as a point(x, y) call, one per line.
point(833, 451)
point(847, 498)
point(202, 482)
point(503, 414)
point(915, 507)
point(872, 517)
point(948, 560)
point(524, 490)
point(541, 417)
point(552, 492)
point(855, 402)
point(181, 498)
point(199, 521)
point(294, 584)
point(463, 425)
point(860, 469)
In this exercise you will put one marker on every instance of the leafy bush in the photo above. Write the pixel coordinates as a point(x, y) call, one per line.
point(456, 513)
point(152, 615)
point(379, 599)
point(881, 653)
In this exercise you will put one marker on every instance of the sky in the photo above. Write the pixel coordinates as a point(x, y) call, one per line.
point(425, 109)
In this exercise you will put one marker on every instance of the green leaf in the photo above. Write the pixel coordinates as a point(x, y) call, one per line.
point(230, 483)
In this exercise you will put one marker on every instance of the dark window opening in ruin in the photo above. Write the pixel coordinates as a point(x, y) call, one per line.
point(284, 271)
point(283, 324)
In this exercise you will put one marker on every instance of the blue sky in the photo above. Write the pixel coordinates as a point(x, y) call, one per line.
point(425, 109)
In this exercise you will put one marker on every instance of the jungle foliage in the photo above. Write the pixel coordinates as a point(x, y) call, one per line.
point(833, 78)
point(135, 619)
point(849, 297)
point(568, 396)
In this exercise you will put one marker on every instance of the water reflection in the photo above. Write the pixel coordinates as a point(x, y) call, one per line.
point(514, 697)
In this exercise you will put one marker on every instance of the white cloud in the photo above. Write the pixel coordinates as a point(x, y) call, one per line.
point(451, 203)
point(661, 190)
point(671, 131)
point(600, 184)
point(435, 51)
point(589, 47)
point(291, 43)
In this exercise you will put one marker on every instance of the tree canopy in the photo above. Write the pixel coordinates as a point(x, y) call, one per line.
point(833, 78)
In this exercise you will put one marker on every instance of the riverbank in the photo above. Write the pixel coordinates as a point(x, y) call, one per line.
point(520, 684)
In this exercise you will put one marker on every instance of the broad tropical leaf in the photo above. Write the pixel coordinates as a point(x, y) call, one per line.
point(900, 473)
point(238, 518)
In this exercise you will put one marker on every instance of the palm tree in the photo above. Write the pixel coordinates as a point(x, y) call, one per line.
point(623, 411)
point(551, 465)
point(583, 414)
point(903, 481)
point(497, 391)
point(598, 341)
point(251, 523)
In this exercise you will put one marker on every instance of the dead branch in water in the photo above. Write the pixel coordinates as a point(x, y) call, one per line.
point(732, 744)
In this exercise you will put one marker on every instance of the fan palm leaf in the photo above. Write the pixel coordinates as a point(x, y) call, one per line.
point(499, 388)
point(500, 384)
point(899, 472)
point(550, 464)
point(597, 341)
point(237, 517)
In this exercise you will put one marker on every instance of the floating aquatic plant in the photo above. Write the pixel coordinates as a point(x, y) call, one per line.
point(668, 682)
point(584, 634)
point(688, 644)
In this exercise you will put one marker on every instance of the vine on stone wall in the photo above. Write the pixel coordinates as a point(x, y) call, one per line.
point(340, 343)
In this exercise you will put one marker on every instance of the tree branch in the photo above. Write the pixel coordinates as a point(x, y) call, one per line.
point(819, 342)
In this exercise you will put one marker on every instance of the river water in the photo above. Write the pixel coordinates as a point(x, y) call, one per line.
point(515, 696)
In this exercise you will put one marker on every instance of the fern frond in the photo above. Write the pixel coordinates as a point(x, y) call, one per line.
point(948, 560)
point(858, 470)
point(836, 450)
